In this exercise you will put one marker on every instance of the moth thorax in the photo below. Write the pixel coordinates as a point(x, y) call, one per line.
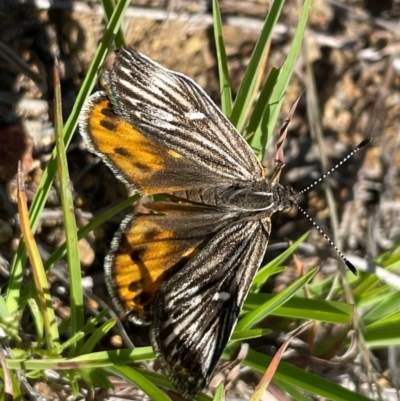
point(258, 196)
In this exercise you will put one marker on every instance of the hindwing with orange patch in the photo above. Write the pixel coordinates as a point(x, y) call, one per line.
point(149, 248)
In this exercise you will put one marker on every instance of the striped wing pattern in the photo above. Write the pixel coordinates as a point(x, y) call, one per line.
point(196, 310)
point(172, 109)
point(137, 160)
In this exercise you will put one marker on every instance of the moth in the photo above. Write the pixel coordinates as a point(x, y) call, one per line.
point(186, 266)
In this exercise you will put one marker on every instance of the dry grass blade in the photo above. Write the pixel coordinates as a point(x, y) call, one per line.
point(8, 389)
point(279, 158)
point(39, 275)
point(269, 373)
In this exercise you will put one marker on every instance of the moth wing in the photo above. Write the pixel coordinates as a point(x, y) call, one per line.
point(148, 249)
point(195, 311)
point(137, 160)
point(174, 111)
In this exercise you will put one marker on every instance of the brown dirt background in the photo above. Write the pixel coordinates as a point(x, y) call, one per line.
point(350, 69)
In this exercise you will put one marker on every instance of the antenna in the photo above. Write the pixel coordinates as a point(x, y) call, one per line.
point(331, 243)
point(361, 145)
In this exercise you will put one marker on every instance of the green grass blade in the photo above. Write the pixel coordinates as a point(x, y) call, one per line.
point(219, 393)
point(87, 361)
point(247, 88)
point(38, 321)
point(292, 390)
point(162, 381)
point(266, 128)
point(109, 7)
point(96, 336)
point(265, 309)
point(387, 306)
point(261, 110)
point(248, 334)
point(67, 205)
point(224, 84)
point(305, 308)
point(374, 297)
point(134, 377)
point(384, 332)
point(266, 271)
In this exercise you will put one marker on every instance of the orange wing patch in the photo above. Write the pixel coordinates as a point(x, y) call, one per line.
point(152, 247)
point(137, 160)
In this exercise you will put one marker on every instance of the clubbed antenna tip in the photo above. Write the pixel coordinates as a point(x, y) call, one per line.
point(364, 142)
point(351, 267)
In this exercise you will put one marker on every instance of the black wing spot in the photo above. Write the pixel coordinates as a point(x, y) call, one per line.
point(123, 152)
point(142, 166)
point(107, 111)
point(142, 298)
point(108, 125)
point(137, 255)
point(150, 234)
point(135, 285)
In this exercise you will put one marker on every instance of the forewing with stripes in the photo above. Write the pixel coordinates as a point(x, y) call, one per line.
point(172, 109)
point(137, 160)
point(195, 311)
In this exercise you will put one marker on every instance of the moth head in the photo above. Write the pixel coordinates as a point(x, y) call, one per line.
point(286, 196)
